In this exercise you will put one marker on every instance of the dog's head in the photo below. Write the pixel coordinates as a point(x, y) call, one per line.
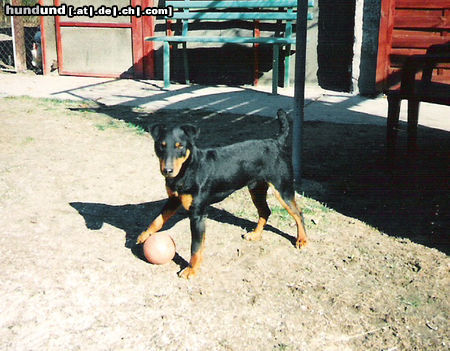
point(173, 147)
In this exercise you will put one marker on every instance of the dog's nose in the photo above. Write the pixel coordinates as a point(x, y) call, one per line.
point(167, 171)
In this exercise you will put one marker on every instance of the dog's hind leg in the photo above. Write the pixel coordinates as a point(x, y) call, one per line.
point(259, 194)
point(287, 200)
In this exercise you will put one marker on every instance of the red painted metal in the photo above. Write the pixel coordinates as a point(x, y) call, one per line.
point(385, 42)
point(58, 41)
point(414, 39)
point(96, 24)
point(426, 19)
point(409, 27)
point(143, 52)
point(136, 32)
point(422, 4)
point(148, 54)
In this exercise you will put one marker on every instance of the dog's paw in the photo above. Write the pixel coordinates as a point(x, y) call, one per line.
point(300, 243)
point(141, 238)
point(252, 236)
point(187, 273)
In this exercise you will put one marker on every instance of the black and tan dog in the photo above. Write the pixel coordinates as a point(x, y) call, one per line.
point(198, 177)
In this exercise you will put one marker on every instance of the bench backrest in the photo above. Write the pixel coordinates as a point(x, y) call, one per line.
point(236, 10)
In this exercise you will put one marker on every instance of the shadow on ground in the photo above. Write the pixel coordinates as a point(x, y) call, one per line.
point(404, 196)
point(135, 218)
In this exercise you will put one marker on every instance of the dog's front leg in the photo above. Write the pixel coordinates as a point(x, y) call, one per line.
point(197, 219)
point(167, 212)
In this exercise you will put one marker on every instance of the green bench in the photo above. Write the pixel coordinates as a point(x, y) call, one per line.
point(282, 11)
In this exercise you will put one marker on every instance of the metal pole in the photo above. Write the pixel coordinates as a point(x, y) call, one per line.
point(299, 89)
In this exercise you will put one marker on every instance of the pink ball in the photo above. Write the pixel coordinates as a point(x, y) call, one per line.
point(159, 248)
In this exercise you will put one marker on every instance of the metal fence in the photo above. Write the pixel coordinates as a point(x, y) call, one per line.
point(9, 41)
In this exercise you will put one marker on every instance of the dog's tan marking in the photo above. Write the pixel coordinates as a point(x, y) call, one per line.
point(256, 234)
point(295, 212)
point(186, 201)
point(170, 192)
point(178, 163)
point(162, 165)
point(195, 262)
point(259, 200)
point(168, 211)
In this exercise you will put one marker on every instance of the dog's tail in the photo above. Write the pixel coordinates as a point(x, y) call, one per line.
point(284, 126)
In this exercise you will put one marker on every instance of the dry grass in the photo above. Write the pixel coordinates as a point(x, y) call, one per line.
point(73, 198)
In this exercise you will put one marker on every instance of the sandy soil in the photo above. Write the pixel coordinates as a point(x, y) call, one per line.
point(77, 185)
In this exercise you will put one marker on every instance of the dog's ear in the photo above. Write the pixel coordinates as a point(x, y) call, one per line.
point(191, 131)
point(156, 130)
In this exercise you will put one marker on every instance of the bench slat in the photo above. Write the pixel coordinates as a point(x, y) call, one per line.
point(235, 16)
point(234, 4)
point(247, 10)
point(235, 40)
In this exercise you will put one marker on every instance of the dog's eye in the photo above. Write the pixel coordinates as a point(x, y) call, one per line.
point(179, 146)
point(163, 144)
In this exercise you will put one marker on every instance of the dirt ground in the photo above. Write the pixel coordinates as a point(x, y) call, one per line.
point(78, 183)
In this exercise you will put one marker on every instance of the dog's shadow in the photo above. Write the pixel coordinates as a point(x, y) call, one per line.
point(134, 219)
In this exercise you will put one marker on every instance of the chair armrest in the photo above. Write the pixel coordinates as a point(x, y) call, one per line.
point(416, 63)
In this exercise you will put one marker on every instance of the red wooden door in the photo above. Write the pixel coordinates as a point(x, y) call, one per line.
point(104, 46)
point(409, 27)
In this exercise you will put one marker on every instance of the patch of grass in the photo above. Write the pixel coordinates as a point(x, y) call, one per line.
point(411, 300)
point(307, 205)
point(281, 213)
point(28, 140)
point(100, 127)
point(109, 124)
point(137, 129)
point(246, 213)
point(312, 206)
point(87, 111)
point(112, 124)
point(52, 104)
point(364, 251)
point(56, 101)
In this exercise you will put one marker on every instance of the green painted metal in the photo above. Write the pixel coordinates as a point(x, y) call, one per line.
point(275, 64)
point(235, 4)
point(185, 27)
point(186, 64)
point(223, 16)
point(184, 32)
point(287, 67)
point(234, 40)
point(166, 68)
point(232, 4)
point(185, 15)
point(287, 55)
point(299, 92)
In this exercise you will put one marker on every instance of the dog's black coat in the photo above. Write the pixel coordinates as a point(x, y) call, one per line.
point(198, 177)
